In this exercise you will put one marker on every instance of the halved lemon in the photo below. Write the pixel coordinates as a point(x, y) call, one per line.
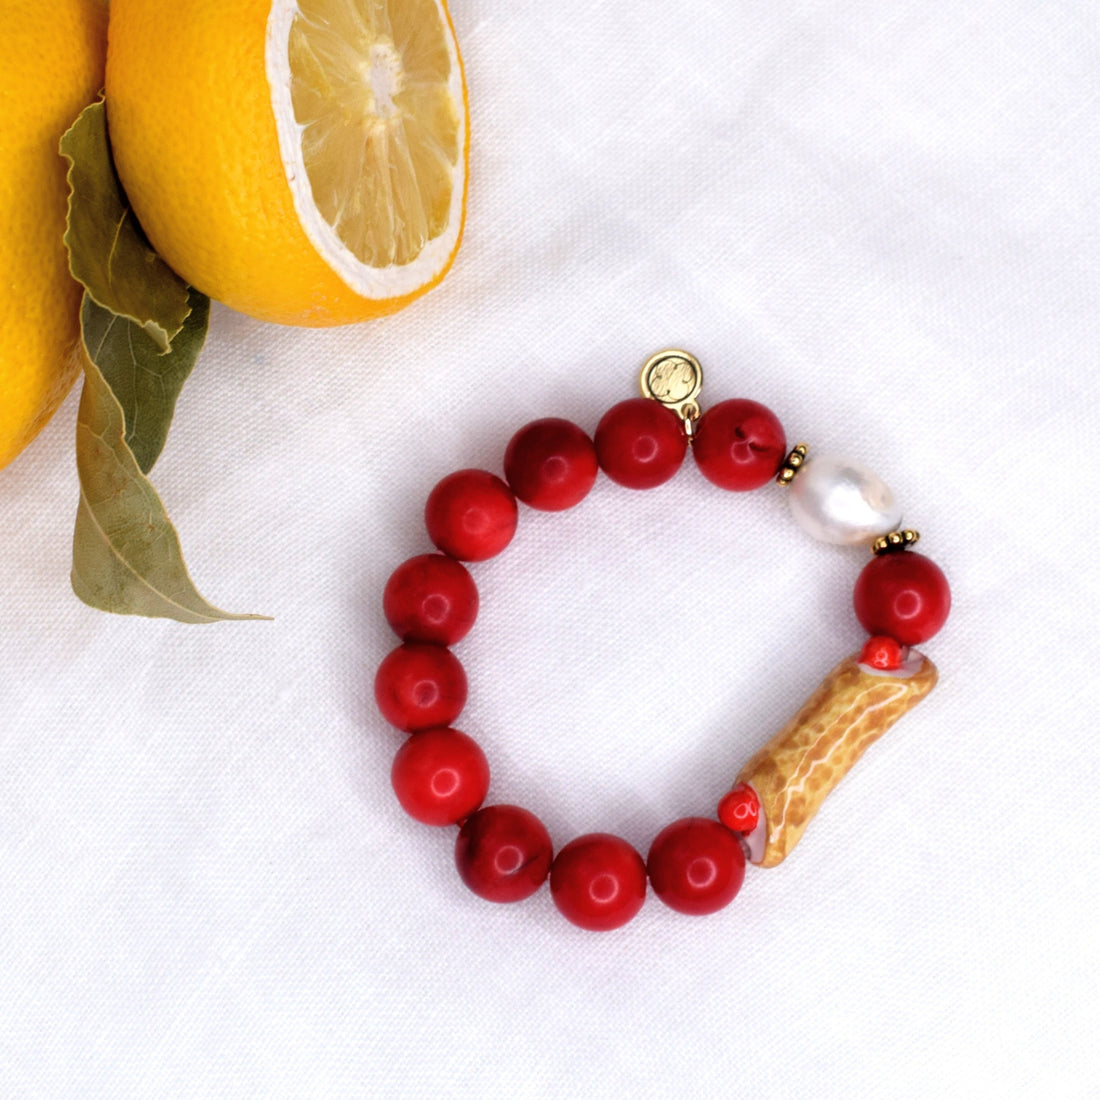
point(303, 161)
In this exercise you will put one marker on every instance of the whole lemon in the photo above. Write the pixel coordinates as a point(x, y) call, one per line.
point(54, 58)
point(303, 161)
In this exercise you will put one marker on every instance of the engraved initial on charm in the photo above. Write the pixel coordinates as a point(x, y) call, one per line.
point(674, 378)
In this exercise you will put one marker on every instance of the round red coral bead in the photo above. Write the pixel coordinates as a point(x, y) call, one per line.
point(551, 464)
point(640, 444)
point(739, 444)
point(431, 598)
point(440, 776)
point(471, 515)
point(503, 853)
point(598, 882)
point(696, 865)
point(418, 686)
point(903, 595)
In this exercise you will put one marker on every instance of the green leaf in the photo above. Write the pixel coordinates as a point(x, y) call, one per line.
point(126, 553)
point(144, 381)
point(108, 252)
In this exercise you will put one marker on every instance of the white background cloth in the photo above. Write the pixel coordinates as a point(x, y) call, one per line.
point(879, 219)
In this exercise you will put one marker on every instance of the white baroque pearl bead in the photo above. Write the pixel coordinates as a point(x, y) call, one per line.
point(843, 502)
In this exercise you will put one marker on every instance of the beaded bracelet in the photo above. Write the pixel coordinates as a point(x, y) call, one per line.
point(695, 865)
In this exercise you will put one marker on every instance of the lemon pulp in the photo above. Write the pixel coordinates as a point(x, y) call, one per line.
point(381, 138)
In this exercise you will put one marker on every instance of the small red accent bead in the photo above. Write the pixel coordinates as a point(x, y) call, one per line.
point(551, 464)
point(739, 444)
point(739, 809)
point(598, 882)
point(431, 598)
point(440, 776)
point(640, 444)
point(471, 515)
point(903, 595)
point(696, 865)
point(419, 686)
point(882, 653)
point(503, 853)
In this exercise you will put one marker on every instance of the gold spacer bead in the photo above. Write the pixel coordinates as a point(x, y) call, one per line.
point(791, 464)
point(895, 540)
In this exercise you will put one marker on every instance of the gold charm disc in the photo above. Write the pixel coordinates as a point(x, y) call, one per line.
point(674, 378)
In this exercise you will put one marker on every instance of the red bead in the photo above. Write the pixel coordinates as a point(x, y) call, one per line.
point(550, 464)
point(440, 776)
point(739, 444)
point(431, 598)
point(739, 809)
point(471, 515)
point(696, 865)
point(640, 444)
point(882, 653)
point(419, 686)
point(598, 882)
point(503, 853)
point(903, 595)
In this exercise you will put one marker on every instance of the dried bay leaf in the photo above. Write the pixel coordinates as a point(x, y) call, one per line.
point(108, 252)
point(144, 381)
point(126, 553)
point(142, 329)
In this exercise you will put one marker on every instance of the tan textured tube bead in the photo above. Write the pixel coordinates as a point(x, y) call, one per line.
point(851, 709)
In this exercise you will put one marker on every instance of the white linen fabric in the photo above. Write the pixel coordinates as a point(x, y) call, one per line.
point(881, 220)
